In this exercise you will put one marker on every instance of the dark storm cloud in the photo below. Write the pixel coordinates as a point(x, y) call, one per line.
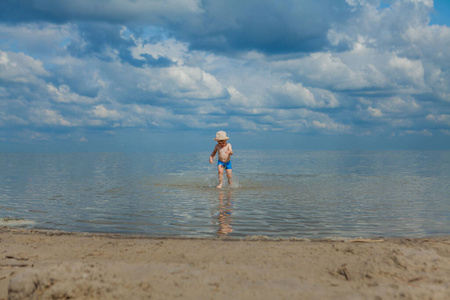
point(112, 11)
point(221, 26)
point(263, 25)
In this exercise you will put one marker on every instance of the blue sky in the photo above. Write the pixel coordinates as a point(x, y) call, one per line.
point(121, 75)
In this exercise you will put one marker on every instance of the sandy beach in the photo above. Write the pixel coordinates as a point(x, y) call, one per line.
point(57, 265)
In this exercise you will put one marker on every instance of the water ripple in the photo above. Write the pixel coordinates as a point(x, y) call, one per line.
point(276, 194)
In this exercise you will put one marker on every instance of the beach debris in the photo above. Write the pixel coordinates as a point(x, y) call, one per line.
point(295, 239)
point(344, 272)
point(16, 258)
point(12, 266)
point(367, 241)
point(416, 279)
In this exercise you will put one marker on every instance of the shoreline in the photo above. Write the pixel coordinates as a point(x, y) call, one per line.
point(48, 264)
point(10, 225)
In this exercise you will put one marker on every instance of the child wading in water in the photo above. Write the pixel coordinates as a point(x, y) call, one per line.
point(224, 162)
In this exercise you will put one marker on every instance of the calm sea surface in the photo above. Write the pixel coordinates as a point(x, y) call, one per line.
point(276, 194)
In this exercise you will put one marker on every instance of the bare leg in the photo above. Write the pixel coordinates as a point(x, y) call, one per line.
point(220, 175)
point(229, 176)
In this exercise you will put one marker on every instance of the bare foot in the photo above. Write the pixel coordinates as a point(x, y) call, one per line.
point(219, 186)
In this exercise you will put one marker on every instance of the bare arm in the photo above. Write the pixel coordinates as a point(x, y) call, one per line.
point(230, 150)
point(212, 155)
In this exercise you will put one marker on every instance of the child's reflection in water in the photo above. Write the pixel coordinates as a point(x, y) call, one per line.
point(225, 209)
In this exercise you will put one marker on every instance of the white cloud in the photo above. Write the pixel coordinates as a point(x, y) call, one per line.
point(181, 82)
point(399, 105)
point(323, 70)
point(428, 3)
point(63, 94)
point(6, 120)
point(304, 120)
point(172, 49)
point(194, 83)
point(330, 126)
point(20, 68)
point(296, 95)
point(374, 112)
point(102, 112)
point(44, 40)
point(48, 117)
point(358, 70)
point(423, 132)
point(34, 135)
point(152, 115)
point(237, 99)
point(408, 71)
point(443, 119)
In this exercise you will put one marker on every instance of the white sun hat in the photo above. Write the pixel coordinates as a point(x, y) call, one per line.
point(221, 136)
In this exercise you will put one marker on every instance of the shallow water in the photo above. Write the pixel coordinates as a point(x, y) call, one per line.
point(275, 194)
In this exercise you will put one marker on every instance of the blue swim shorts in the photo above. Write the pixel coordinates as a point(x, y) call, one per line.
point(226, 165)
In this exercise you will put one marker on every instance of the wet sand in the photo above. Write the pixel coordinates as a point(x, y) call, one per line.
point(57, 265)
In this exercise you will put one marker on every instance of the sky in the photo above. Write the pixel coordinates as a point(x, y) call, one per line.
point(166, 75)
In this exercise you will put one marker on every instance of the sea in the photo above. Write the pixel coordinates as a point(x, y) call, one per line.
point(275, 194)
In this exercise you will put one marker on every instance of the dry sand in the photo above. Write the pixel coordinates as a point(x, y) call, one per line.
point(57, 265)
